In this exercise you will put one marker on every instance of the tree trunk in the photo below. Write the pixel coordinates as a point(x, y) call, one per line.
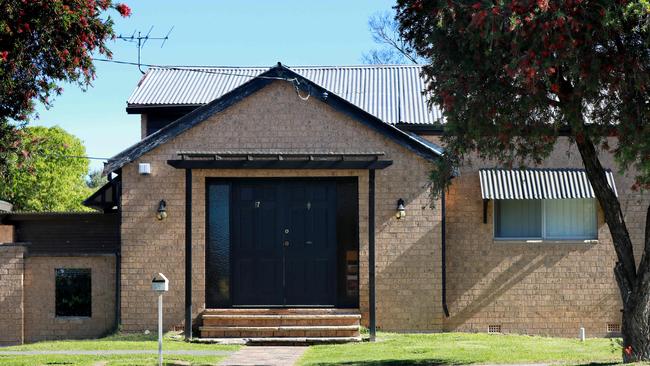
point(634, 287)
point(636, 327)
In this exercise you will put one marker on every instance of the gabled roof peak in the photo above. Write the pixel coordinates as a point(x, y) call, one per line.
point(415, 145)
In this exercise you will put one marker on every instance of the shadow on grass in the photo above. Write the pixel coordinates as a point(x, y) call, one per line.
point(422, 362)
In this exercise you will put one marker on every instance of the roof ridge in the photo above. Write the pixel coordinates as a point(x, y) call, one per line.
point(375, 66)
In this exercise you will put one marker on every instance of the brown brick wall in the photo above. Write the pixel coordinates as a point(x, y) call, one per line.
point(408, 265)
point(40, 320)
point(552, 288)
point(11, 294)
point(548, 288)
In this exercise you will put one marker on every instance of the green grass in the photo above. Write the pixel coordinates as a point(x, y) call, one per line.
point(122, 341)
point(113, 360)
point(462, 348)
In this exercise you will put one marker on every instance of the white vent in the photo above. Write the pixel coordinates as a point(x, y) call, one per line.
point(494, 328)
point(613, 328)
point(144, 168)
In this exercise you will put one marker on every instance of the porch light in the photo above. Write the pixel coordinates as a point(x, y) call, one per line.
point(401, 210)
point(161, 214)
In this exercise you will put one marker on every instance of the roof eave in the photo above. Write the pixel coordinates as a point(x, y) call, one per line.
point(148, 108)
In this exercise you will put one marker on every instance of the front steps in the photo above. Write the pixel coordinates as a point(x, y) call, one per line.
point(306, 324)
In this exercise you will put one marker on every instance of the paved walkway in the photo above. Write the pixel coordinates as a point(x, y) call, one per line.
point(265, 356)
point(118, 352)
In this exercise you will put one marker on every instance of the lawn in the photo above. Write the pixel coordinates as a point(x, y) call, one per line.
point(464, 348)
point(172, 342)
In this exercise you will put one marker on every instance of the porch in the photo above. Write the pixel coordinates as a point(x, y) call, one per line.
point(281, 253)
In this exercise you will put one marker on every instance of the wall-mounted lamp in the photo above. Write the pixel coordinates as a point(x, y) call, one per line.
point(144, 168)
point(401, 210)
point(161, 214)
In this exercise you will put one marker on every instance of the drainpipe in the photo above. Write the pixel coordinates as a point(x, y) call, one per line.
point(443, 252)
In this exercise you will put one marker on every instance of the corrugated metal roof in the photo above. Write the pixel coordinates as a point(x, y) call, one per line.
point(392, 93)
point(537, 183)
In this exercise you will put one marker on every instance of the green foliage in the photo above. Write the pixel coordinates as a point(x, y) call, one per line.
point(96, 179)
point(44, 43)
point(510, 75)
point(50, 177)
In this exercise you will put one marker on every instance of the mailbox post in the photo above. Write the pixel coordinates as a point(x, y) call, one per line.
point(160, 285)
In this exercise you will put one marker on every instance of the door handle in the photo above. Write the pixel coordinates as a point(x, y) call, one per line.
point(286, 243)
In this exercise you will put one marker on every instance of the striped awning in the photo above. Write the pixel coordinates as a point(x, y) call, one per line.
point(502, 184)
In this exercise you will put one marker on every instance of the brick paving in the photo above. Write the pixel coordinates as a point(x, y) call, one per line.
point(265, 356)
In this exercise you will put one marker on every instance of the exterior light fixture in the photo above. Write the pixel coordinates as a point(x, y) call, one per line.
point(401, 210)
point(161, 214)
point(144, 168)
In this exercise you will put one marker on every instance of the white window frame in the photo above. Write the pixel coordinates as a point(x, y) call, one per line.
point(544, 236)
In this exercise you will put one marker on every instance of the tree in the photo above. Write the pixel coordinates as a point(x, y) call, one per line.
point(96, 179)
point(392, 47)
point(52, 177)
point(511, 75)
point(42, 44)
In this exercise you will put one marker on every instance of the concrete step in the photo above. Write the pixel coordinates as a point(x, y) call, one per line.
point(280, 323)
point(280, 319)
point(279, 331)
point(279, 311)
point(279, 341)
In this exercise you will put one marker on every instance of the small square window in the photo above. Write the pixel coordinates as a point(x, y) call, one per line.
point(73, 292)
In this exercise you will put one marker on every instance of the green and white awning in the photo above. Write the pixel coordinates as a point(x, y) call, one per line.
point(503, 184)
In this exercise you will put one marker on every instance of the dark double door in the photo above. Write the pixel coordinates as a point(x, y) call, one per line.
point(283, 243)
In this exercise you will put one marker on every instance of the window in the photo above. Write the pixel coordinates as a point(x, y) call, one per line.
point(555, 219)
point(73, 292)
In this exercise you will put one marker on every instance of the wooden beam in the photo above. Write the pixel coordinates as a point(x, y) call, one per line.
point(371, 255)
point(188, 254)
point(280, 164)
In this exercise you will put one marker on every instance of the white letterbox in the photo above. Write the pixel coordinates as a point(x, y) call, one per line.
point(160, 283)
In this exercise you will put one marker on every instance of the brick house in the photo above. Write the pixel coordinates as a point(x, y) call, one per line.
point(295, 202)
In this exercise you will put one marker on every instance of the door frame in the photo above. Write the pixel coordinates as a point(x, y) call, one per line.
point(230, 181)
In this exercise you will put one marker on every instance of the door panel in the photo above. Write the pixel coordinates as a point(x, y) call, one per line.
point(311, 256)
point(284, 243)
point(257, 259)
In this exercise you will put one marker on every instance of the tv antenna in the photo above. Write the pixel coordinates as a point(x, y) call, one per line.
point(139, 40)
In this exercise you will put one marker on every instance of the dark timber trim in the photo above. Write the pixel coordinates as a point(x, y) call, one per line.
point(188, 254)
point(279, 164)
point(371, 254)
point(485, 209)
point(432, 129)
point(158, 108)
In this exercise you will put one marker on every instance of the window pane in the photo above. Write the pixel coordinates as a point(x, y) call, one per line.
point(73, 292)
point(570, 218)
point(518, 218)
point(217, 251)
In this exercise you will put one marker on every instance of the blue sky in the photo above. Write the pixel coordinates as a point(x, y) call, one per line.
point(228, 33)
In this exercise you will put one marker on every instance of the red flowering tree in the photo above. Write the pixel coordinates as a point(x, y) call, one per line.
point(42, 44)
point(511, 75)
